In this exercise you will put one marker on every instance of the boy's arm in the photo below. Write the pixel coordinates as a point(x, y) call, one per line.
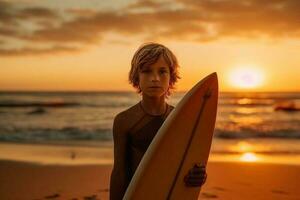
point(119, 177)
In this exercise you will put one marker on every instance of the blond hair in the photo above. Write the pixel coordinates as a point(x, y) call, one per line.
point(147, 54)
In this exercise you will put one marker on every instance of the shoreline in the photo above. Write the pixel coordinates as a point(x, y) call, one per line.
point(57, 154)
point(102, 153)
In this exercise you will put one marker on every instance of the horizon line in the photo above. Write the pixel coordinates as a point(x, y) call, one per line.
point(127, 91)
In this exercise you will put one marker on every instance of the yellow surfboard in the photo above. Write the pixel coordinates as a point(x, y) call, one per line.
point(183, 140)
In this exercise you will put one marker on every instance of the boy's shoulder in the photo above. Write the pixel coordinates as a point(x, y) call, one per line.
point(128, 117)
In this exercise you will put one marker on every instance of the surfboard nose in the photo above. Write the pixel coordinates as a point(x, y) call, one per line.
point(213, 76)
point(211, 81)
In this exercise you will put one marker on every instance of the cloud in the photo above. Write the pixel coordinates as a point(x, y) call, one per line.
point(79, 12)
point(37, 51)
point(37, 12)
point(6, 15)
point(6, 31)
point(148, 4)
point(187, 20)
point(250, 18)
point(88, 30)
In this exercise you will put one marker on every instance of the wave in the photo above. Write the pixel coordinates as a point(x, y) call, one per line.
point(103, 105)
point(100, 100)
point(261, 95)
point(280, 134)
point(256, 104)
point(74, 133)
point(52, 134)
point(265, 152)
point(15, 104)
point(37, 111)
point(38, 104)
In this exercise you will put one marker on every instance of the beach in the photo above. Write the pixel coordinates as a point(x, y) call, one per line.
point(78, 77)
point(86, 176)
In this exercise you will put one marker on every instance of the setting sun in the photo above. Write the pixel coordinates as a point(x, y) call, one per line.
point(246, 77)
point(249, 157)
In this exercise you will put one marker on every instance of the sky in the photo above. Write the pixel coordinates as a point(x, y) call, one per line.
point(72, 45)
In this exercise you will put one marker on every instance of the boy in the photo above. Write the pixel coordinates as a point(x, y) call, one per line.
point(154, 72)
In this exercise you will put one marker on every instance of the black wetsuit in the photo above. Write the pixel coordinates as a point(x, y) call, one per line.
point(141, 135)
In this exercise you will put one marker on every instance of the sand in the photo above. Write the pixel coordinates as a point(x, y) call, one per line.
point(72, 172)
point(19, 180)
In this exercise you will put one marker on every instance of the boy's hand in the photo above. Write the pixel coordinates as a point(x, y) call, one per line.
point(196, 176)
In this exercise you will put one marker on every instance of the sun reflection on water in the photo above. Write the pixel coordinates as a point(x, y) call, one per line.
point(246, 151)
point(244, 101)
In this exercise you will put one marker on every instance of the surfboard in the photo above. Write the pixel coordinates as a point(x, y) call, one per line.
point(183, 140)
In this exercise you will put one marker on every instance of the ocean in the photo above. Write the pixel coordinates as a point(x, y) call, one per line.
point(267, 122)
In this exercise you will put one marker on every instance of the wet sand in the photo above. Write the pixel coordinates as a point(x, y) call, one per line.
point(231, 180)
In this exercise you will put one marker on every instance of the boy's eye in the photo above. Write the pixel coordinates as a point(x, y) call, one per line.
point(145, 71)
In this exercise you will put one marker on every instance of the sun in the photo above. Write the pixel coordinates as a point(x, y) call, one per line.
point(249, 157)
point(246, 77)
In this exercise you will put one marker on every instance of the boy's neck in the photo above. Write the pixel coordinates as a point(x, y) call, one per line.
point(154, 106)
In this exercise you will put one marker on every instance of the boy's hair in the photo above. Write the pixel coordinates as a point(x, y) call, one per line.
point(147, 54)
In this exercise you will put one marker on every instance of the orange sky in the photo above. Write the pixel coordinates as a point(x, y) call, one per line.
point(88, 46)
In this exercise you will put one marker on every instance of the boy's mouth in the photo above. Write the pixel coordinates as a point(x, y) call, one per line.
point(155, 87)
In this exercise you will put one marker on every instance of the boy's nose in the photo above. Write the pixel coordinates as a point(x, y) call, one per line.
point(155, 77)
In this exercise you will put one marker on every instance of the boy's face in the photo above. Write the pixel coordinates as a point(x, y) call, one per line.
point(154, 79)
